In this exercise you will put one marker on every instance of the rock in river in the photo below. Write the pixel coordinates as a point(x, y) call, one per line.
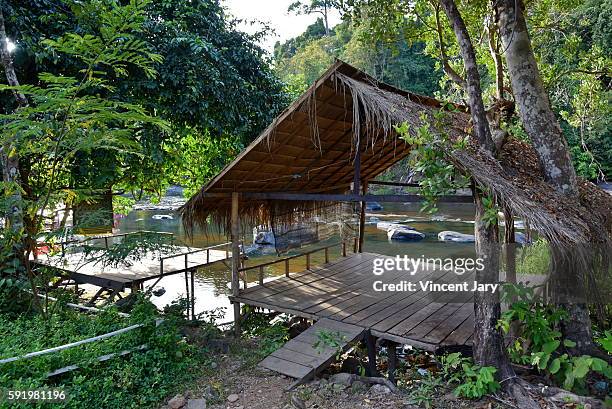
point(404, 234)
point(455, 236)
point(386, 226)
point(373, 206)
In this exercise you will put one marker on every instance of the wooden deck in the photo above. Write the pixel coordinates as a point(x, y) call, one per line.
point(343, 291)
point(299, 358)
point(87, 270)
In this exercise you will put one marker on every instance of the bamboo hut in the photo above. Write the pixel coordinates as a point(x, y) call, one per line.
point(330, 144)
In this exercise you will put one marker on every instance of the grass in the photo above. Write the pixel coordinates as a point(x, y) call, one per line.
point(139, 380)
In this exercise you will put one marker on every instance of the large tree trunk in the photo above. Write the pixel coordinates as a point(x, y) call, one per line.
point(488, 340)
point(532, 99)
point(488, 346)
point(543, 128)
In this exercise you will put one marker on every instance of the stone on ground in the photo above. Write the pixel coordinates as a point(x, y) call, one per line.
point(177, 402)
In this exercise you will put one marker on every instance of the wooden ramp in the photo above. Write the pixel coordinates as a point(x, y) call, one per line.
point(299, 358)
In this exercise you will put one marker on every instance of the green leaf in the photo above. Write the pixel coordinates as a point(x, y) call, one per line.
point(582, 366)
point(569, 343)
point(598, 364)
point(554, 366)
point(550, 347)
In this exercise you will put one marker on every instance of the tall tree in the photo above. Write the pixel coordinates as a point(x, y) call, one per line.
point(489, 349)
point(322, 7)
point(542, 126)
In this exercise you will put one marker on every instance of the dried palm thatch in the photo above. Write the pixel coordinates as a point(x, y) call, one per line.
point(310, 148)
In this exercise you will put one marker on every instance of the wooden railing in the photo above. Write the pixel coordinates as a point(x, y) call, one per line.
point(105, 238)
point(187, 253)
point(260, 267)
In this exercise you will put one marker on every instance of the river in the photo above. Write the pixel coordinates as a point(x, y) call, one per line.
point(211, 283)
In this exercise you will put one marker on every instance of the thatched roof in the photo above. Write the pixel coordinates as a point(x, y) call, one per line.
point(311, 146)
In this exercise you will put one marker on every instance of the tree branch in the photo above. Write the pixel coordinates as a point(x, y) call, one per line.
point(452, 74)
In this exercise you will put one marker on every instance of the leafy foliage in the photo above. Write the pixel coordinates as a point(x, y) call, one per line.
point(69, 116)
point(540, 343)
point(272, 334)
point(140, 379)
point(304, 58)
point(474, 381)
point(428, 158)
point(571, 40)
point(330, 339)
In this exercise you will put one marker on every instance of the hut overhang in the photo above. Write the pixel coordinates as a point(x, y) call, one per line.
point(324, 148)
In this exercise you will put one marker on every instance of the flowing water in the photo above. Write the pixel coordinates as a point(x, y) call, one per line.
point(212, 283)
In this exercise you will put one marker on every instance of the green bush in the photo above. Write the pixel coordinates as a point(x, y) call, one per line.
point(140, 379)
point(474, 381)
point(540, 343)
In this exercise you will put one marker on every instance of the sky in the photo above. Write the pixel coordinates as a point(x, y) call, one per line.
point(274, 12)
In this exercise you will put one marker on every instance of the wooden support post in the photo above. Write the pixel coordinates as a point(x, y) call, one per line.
point(287, 268)
point(187, 293)
point(357, 174)
point(344, 249)
point(235, 233)
point(392, 359)
point(362, 213)
point(308, 261)
point(261, 275)
point(193, 314)
point(326, 255)
point(371, 345)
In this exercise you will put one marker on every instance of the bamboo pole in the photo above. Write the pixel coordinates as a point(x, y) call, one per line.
point(235, 233)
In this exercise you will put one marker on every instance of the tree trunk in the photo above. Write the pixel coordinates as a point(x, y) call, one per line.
point(477, 110)
point(532, 99)
point(488, 341)
point(488, 346)
point(543, 128)
point(8, 151)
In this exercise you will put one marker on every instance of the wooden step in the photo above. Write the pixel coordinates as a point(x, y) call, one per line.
point(300, 359)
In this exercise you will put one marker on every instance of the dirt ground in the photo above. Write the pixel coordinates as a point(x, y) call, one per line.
point(238, 384)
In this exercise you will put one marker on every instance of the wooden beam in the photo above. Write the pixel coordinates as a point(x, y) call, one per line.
point(357, 167)
point(392, 359)
point(236, 260)
point(362, 212)
point(371, 347)
point(322, 197)
point(393, 183)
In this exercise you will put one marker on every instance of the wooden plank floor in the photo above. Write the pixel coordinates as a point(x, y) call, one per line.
point(88, 270)
point(342, 291)
point(299, 358)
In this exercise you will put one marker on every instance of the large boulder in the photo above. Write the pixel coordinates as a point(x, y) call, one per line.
point(454, 236)
point(263, 237)
point(404, 234)
point(373, 206)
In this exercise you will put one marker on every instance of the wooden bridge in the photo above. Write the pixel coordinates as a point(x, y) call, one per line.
point(87, 268)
